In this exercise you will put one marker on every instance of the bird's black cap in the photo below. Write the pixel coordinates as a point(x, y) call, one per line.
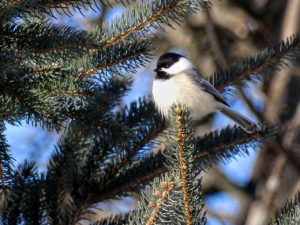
point(166, 60)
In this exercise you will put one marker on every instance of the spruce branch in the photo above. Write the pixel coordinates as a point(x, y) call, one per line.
point(181, 162)
point(224, 145)
point(132, 179)
point(24, 197)
point(289, 214)
point(55, 99)
point(67, 5)
point(120, 58)
point(154, 201)
point(60, 178)
point(147, 135)
point(100, 159)
point(140, 111)
point(51, 38)
point(123, 2)
point(182, 201)
point(12, 8)
point(122, 160)
point(17, 107)
point(120, 219)
point(146, 15)
point(139, 123)
point(72, 92)
point(182, 165)
point(265, 62)
point(6, 170)
point(87, 56)
point(8, 5)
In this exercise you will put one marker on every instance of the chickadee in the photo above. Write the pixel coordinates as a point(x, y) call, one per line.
point(178, 81)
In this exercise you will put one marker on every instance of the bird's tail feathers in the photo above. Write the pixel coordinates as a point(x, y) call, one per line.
point(247, 125)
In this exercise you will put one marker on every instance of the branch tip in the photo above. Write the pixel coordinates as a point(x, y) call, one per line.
point(161, 198)
point(182, 165)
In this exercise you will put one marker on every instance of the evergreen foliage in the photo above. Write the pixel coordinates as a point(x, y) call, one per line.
point(72, 81)
point(23, 204)
point(289, 214)
point(114, 220)
point(265, 62)
point(213, 147)
point(6, 170)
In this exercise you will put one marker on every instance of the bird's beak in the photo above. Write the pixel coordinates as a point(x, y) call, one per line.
point(156, 70)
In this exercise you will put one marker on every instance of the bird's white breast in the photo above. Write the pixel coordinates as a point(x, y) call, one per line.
point(181, 89)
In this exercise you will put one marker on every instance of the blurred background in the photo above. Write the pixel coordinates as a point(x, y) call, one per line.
point(249, 189)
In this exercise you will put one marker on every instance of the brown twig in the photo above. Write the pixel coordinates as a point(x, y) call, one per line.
point(216, 49)
point(167, 187)
point(248, 102)
point(102, 66)
point(47, 69)
point(183, 166)
point(72, 92)
point(258, 212)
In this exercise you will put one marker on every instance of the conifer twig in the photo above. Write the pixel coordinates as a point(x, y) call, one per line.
point(61, 167)
point(183, 166)
point(167, 187)
point(222, 146)
point(61, 47)
point(134, 150)
point(72, 92)
point(142, 24)
point(45, 69)
point(9, 6)
point(3, 187)
point(102, 66)
point(265, 62)
point(139, 51)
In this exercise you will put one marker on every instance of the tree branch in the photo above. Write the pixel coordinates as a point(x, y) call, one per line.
point(182, 166)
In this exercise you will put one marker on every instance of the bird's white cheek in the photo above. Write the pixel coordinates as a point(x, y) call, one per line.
point(165, 94)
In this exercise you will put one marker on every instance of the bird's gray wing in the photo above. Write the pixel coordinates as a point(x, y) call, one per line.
point(208, 87)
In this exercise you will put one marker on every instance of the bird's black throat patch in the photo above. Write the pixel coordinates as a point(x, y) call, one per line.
point(161, 75)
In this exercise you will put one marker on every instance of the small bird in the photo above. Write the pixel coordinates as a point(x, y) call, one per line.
point(178, 81)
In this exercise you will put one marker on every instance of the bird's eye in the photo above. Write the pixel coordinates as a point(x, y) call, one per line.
point(167, 66)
